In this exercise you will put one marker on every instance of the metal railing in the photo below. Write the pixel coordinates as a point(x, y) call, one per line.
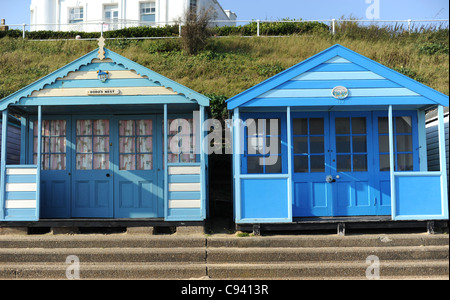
point(103, 26)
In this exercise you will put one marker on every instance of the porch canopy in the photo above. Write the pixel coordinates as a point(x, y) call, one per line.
point(98, 83)
point(334, 81)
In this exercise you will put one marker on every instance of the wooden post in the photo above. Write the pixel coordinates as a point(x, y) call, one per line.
point(3, 162)
point(392, 162)
point(166, 168)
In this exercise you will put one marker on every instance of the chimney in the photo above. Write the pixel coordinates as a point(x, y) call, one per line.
point(2, 26)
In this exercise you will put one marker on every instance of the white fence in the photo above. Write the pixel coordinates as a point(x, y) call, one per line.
point(103, 26)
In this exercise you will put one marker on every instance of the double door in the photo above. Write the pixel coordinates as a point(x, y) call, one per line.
point(333, 173)
point(101, 167)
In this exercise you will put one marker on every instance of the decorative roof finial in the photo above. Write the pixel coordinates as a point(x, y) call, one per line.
point(101, 45)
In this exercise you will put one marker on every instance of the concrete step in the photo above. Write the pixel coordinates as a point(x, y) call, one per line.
point(229, 241)
point(260, 255)
point(293, 270)
point(128, 270)
point(102, 241)
point(92, 255)
point(295, 241)
point(122, 256)
point(325, 270)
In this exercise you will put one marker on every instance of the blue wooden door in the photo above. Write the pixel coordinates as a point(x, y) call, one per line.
point(351, 164)
point(333, 169)
point(137, 191)
point(55, 165)
point(312, 195)
point(92, 180)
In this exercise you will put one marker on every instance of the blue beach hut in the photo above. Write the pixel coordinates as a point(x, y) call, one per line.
point(94, 145)
point(350, 140)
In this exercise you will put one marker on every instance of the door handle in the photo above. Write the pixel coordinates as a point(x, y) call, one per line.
point(108, 175)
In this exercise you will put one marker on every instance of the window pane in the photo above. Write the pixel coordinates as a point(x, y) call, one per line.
point(101, 144)
point(359, 144)
point(277, 127)
point(300, 145)
point(359, 163)
point(301, 164)
point(404, 143)
point(344, 163)
point(276, 167)
point(101, 127)
point(84, 161)
point(126, 127)
point(144, 127)
point(384, 163)
point(145, 144)
point(253, 165)
point(57, 162)
point(359, 125)
point(300, 126)
point(101, 161)
point(316, 126)
point(84, 127)
point(317, 163)
point(342, 125)
point(127, 162)
point(383, 143)
point(58, 144)
point(84, 145)
point(383, 125)
point(405, 162)
point(144, 162)
point(255, 145)
point(343, 144)
point(403, 124)
point(58, 128)
point(148, 18)
point(317, 144)
point(126, 145)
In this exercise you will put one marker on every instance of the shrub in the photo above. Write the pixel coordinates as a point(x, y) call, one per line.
point(195, 31)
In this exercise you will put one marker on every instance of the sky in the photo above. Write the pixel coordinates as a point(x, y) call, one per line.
point(18, 11)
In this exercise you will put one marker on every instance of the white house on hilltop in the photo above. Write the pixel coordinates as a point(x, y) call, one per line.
point(88, 15)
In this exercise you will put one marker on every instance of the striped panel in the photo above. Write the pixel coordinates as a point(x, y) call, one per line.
point(20, 187)
point(184, 170)
point(20, 190)
point(125, 91)
point(93, 75)
point(338, 60)
point(20, 204)
point(21, 171)
point(94, 83)
point(315, 93)
point(184, 204)
point(330, 84)
point(338, 76)
point(184, 187)
point(338, 67)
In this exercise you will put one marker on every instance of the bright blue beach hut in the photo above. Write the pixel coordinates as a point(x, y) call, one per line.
point(93, 145)
point(350, 141)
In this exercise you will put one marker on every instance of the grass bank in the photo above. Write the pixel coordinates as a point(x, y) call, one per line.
point(230, 65)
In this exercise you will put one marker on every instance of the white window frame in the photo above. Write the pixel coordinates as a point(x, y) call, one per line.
point(76, 14)
point(147, 5)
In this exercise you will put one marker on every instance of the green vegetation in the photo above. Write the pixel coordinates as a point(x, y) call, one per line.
point(230, 65)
